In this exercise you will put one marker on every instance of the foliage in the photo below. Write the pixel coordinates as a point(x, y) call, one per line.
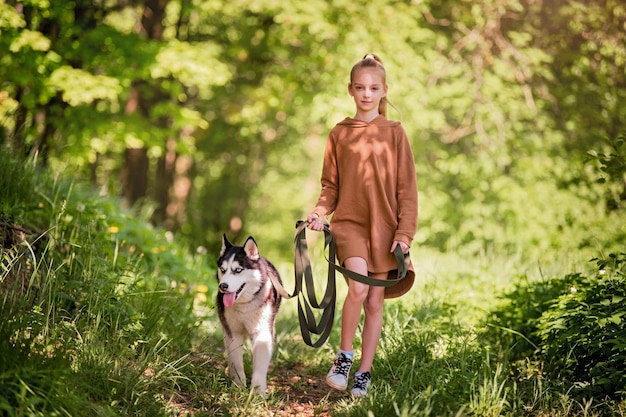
point(512, 327)
point(572, 325)
point(112, 320)
point(582, 333)
point(16, 184)
point(612, 166)
point(231, 102)
point(588, 51)
point(96, 307)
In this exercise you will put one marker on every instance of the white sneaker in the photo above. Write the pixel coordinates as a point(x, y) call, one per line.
point(337, 377)
point(361, 384)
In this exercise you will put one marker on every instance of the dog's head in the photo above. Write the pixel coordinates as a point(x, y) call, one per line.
point(237, 271)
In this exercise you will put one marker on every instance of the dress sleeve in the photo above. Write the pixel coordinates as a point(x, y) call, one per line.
point(327, 201)
point(407, 191)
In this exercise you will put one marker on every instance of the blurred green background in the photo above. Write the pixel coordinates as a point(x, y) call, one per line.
point(212, 115)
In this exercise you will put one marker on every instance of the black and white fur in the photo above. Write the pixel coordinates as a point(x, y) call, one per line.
point(247, 304)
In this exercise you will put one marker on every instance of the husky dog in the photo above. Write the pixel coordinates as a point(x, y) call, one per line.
point(247, 304)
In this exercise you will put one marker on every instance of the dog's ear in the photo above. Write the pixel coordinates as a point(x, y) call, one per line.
point(225, 245)
point(251, 249)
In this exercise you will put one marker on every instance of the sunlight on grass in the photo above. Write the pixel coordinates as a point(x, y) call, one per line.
point(103, 315)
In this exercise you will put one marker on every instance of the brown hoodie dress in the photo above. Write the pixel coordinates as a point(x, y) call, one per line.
point(370, 188)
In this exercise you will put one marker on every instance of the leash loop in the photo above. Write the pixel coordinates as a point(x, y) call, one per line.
point(308, 302)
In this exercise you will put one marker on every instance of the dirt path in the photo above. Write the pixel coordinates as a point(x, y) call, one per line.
point(305, 395)
point(296, 392)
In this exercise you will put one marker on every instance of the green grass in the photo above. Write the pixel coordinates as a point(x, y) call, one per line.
point(103, 315)
point(93, 317)
point(432, 359)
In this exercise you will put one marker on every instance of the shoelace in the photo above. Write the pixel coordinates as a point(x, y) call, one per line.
point(361, 381)
point(342, 365)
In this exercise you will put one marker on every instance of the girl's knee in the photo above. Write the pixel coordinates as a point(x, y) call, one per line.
point(374, 301)
point(357, 295)
point(373, 307)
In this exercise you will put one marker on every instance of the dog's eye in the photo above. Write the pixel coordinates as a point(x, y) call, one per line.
point(238, 270)
point(223, 270)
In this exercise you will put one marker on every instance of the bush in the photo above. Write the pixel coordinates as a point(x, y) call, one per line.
point(582, 334)
point(611, 165)
point(574, 326)
point(513, 326)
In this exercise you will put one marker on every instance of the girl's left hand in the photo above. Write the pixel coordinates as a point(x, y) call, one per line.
point(403, 246)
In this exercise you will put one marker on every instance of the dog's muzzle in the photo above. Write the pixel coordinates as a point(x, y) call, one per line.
point(223, 287)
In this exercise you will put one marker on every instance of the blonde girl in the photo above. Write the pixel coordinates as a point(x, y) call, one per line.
point(370, 188)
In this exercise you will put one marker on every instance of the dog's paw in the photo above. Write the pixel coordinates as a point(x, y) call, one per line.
point(260, 390)
point(237, 379)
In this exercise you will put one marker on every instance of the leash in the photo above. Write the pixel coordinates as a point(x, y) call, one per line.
point(305, 285)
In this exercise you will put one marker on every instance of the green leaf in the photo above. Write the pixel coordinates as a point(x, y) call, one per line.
point(80, 87)
point(30, 38)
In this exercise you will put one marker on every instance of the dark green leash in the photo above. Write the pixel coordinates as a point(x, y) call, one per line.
point(307, 300)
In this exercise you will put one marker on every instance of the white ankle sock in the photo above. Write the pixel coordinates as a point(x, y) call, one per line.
point(348, 353)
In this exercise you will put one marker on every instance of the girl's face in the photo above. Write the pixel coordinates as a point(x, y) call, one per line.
point(367, 88)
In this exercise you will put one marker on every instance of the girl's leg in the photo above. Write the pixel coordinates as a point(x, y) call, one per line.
point(337, 377)
point(352, 305)
point(373, 325)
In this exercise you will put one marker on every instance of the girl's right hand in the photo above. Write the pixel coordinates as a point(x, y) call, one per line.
point(315, 222)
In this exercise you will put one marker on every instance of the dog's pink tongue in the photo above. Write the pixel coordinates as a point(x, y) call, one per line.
point(229, 299)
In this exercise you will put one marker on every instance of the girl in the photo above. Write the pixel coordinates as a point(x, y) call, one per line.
point(369, 185)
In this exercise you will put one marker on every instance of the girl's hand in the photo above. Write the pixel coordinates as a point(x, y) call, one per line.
point(403, 246)
point(315, 223)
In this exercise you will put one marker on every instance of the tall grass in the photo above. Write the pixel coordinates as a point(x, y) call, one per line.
point(95, 318)
point(103, 315)
point(433, 358)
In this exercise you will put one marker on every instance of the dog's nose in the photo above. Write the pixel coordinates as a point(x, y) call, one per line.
point(223, 286)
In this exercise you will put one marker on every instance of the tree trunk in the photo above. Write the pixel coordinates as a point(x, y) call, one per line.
point(17, 136)
point(136, 163)
point(164, 181)
point(134, 175)
point(152, 18)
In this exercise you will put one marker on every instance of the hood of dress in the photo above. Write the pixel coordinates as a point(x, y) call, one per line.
point(379, 121)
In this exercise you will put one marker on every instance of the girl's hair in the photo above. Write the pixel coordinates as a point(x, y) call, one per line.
point(374, 61)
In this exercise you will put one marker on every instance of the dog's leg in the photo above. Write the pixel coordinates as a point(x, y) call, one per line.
point(234, 348)
point(262, 345)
